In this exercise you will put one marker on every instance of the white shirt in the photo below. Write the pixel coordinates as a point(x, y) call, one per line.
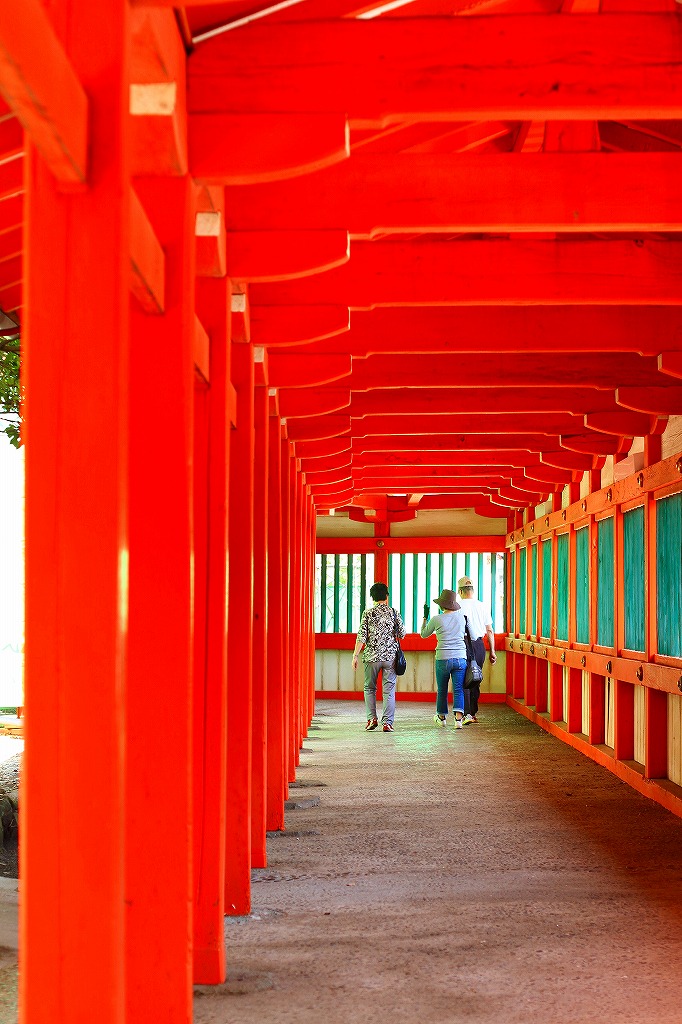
point(477, 614)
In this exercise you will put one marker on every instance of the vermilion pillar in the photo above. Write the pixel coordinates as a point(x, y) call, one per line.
point(294, 744)
point(556, 692)
point(160, 640)
point(240, 640)
point(286, 594)
point(210, 691)
point(260, 610)
point(574, 711)
point(276, 676)
point(76, 373)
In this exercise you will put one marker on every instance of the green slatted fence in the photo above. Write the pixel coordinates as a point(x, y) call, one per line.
point(546, 619)
point(342, 585)
point(562, 587)
point(606, 571)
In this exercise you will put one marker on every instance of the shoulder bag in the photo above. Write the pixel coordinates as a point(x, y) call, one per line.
point(399, 665)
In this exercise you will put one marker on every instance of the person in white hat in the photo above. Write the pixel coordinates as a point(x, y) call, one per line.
point(451, 659)
point(480, 625)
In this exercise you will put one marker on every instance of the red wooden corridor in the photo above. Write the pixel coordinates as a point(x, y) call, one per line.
point(319, 278)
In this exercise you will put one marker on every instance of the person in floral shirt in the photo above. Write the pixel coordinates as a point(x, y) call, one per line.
point(379, 627)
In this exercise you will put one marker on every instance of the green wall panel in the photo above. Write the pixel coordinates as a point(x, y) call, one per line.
point(512, 595)
point(534, 589)
point(562, 587)
point(606, 571)
point(669, 575)
point(582, 585)
point(634, 563)
point(546, 621)
point(522, 590)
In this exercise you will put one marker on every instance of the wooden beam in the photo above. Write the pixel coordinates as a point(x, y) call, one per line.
point(249, 149)
point(504, 371)
point(478, 401)
point(40, 85)
point(519, 329)
point(498, 67)
point(284, 255)
point(396, 193)
point(209, 230)
point(663, 401)
point(147, 260)
point(493, 272)
point(296, 325)
point(158, 102)
point(295, 402)
point(298, 371)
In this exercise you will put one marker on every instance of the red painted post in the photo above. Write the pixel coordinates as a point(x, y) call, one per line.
point(240, 640)
point(210, 711)
point(294, 739)
point(160, 637)
point(656, 740)
point(289, 770)
point(530, 682)
point(624, 721)
point(260, 609)
point(541, 686)
point(75, 366)
point(276, 676)
point(519, 676)
point(597, 728)
point(574, 712)
point(556, 692)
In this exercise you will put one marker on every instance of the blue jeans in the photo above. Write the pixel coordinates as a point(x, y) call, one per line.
point(446, 668)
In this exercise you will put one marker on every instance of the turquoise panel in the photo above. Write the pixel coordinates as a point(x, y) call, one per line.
point(512, 595)
point(534, 589)
point(606, 572)
point(562, 588)
point(582, 586)
point(634, 564)
point(669, 575)
point(546, 624)
point(522, 590)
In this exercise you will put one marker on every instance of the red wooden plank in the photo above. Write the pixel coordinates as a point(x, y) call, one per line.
point(239, 148)
point(499, 193)
point(284, 255)
point(157, 94)
point(474, 273)
point(455, 68)
point(292, 325)
point(41, 86)
point(464, 370)
point(519, 329)
point(147, 260)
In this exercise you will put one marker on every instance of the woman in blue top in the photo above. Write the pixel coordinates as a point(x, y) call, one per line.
point(451, 661)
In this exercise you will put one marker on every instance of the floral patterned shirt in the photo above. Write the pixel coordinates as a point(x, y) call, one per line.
point(379, 627)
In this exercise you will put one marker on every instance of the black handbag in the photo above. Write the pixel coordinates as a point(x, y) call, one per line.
point(399, 665)
point(474, 674)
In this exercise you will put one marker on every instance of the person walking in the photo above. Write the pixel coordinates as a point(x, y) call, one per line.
point(379, 627)
point(451, 661)
point(480, 625)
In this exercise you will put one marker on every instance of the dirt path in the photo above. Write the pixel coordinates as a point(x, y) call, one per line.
point(490, 875)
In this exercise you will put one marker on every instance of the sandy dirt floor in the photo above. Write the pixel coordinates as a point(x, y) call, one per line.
point(489, 874)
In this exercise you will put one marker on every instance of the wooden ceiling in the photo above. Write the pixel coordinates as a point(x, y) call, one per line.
point(457, 225)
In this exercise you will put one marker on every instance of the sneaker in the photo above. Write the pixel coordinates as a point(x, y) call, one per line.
point(371, 724)
point(458, 723)
point(439, 720)
point(467, 719)
point(388, 727)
